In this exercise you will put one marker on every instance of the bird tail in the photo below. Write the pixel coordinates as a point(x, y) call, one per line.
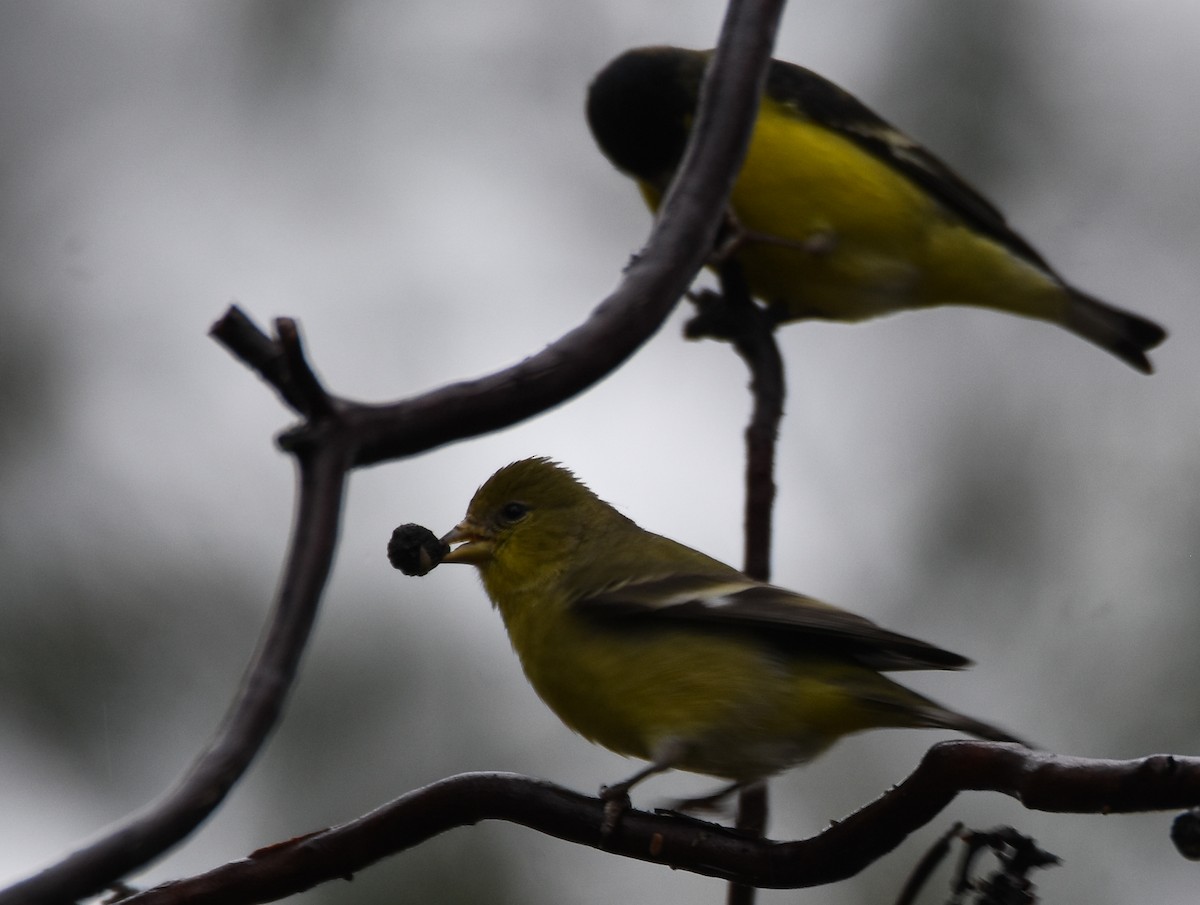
point(901, 707)
point(948, 719)
point(1126, 335)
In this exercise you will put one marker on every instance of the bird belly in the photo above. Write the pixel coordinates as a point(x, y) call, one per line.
point(724, 706)
point(834, 233)
point(831, 231)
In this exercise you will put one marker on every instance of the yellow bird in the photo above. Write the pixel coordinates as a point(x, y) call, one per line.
point(657, 651)
point(838, 215)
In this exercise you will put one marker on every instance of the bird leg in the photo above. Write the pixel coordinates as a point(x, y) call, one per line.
point(733, 236)
point(616, 796)
point(665, 755)
point(708, 803)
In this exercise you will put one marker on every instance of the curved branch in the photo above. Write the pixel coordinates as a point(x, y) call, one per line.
point(144, 836)
point(1040, 781)
point(679, 245)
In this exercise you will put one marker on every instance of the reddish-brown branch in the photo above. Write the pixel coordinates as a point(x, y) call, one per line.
point(1040, 781)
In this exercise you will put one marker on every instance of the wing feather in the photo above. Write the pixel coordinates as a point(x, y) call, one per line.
point(778, 616)
point(816, 98)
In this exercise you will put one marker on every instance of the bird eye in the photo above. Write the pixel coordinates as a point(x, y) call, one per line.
point(513, 512)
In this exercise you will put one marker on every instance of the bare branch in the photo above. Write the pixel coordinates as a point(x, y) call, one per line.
point(679, 245)
point(732, 316)
point(926, 866)
point(146, 835)
point(1040, 781)
point(735, 317)
point(338, 435)
point(315, 404)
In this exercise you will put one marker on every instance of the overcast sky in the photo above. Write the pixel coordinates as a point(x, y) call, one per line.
point(415, 184)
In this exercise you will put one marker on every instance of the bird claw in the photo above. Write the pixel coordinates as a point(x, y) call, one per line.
point(616, 803)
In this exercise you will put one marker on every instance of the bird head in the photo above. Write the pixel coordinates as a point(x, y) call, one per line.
point(640, 109)
point(526, 516)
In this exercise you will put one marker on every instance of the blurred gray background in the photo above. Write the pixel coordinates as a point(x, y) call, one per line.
point(415, 183)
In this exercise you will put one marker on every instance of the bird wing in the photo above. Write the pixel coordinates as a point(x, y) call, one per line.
point(816, 98)
point(780, 617)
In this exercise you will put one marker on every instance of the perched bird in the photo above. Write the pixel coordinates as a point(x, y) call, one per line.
point(838, 215)
point(657, 651)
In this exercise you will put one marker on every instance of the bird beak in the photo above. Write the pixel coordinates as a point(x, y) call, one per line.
point(474, 545)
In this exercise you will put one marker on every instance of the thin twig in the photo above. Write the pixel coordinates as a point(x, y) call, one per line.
point(755, 342)
point(927, 865)
point(315, 403)
point(734, 317)
point(260, 352)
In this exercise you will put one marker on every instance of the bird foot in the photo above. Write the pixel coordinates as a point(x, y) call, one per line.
point(616, 803)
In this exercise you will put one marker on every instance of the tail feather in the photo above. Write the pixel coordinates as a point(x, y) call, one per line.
point(901, 707)
point(949, 720)
point(1126, 335)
